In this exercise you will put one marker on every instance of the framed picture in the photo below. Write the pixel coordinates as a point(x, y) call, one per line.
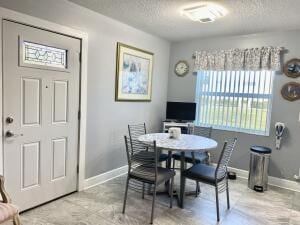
point(133, 74)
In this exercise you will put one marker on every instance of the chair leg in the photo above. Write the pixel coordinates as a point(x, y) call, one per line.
point(169, 161)
point(125, 197)
point(173, 164)
point(143, 191)
point(227, 193)
point(16, 220)
point(182, 180)
point(171, 192)
point(198, 190)
point(182, 193)
point(217, 203)
point(153, 204)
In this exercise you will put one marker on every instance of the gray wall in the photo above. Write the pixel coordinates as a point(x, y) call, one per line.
point(106, 119)
point(284, 162)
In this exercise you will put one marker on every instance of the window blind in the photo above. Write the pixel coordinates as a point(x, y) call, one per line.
point(235, 100)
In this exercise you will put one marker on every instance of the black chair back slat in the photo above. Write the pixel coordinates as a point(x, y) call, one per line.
point(224, 159)
point(136, 130)
point(141, 157)
point(200, 131)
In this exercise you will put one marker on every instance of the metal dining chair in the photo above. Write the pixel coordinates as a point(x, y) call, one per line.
point(143, 167)
point(195, 157)
point(136, 130)
point(199, 157)
point(214, 175)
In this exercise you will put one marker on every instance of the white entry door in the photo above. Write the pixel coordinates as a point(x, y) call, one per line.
point(40, 113)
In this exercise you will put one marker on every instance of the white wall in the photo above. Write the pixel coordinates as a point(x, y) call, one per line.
point(284, 162)
point(106, 119)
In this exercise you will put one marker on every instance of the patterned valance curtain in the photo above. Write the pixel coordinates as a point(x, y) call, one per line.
point(265, 58)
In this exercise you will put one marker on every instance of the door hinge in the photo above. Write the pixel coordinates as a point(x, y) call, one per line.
point(77, 169)
point(79, 114)
point(80, 55)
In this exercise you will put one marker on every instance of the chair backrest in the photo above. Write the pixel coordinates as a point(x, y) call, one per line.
point(139, 154)
point(200, 131)
point(225, 156)
point(136, 130)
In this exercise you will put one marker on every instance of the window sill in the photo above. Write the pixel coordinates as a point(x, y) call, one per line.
point(251, 132)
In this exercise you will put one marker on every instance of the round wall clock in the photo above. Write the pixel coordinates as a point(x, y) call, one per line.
point(181, 68)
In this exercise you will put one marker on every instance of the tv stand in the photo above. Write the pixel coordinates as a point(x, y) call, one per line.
point(182, 125)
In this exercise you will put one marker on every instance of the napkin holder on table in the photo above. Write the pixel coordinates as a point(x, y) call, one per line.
point(174, 132)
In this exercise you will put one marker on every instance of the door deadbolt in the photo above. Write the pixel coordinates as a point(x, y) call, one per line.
point(9, 120)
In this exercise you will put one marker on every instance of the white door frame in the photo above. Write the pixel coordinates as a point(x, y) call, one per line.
point(46, 25)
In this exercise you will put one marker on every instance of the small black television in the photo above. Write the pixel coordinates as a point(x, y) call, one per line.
point(181, 111)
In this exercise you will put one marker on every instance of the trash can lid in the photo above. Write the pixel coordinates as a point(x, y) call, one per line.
point(261, 149)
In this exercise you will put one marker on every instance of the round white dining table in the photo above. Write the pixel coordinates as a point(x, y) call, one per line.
point(185, 143)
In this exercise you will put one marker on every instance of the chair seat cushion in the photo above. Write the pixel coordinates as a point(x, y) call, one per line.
point(202, 172)
point(163, 157)
point(147, 174)
point(7, 211)
point(200, 157)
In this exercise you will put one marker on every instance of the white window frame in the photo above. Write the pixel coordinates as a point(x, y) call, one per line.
point(230, 128)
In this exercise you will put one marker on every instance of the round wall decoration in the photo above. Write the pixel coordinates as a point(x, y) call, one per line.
point(292, 68)
point(181, 68)
point(291, 91)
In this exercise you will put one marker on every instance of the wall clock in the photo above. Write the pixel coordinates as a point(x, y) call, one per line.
point(181, 68)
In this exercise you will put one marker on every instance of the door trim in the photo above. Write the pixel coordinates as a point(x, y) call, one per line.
point(6, 14)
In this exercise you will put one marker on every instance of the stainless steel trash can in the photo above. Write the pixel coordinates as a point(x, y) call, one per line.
point(259, 165)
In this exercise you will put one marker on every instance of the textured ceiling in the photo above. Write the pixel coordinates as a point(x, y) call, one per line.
point(162, 17)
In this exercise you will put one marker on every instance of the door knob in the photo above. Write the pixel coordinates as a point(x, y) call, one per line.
point(9, 134)
point(9, 120)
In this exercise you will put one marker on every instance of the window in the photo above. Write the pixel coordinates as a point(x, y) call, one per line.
point(235, 100)
point(44, 55)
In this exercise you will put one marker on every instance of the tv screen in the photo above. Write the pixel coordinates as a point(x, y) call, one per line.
point(185, 111)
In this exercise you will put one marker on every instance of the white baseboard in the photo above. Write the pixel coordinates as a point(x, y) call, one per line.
point(102, 178)
point(273, 181)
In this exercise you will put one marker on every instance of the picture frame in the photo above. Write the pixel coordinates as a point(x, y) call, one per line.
point(134, 68)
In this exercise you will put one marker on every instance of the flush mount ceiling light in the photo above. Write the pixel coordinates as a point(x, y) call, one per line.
point(204, 12)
